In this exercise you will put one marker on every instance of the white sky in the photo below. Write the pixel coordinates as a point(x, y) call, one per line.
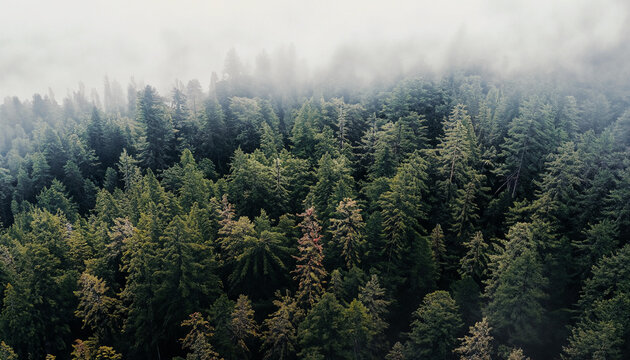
point(59, 43)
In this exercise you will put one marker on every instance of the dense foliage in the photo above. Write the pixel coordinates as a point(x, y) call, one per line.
point(428, 219)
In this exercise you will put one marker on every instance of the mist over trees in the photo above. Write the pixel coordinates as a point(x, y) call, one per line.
point(268, 216)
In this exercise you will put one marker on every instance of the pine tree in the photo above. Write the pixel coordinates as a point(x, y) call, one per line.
point(183, 122)
point(476, 259)
point(458, 151)
point(243, 325)
point(213, 134)
point(97, 310)
point(435, 327)
point(128, 169)
point(517, 354)
point(322, 332)
point(303, 132)
point(515, 289)
point(600, 240)
point(139, 262)
point(477, 345)
point(438, 248)
point(157, 145)
point(360, 329)
point(402, 207)
point(54, 199)
point(334, 183)
point(96, 133)
point(406, 249)
point(251, 185)
point(602, 330)
point(397, 352)
point(347, 230)
point(198, 338)
point(259, 266)
point(464, 210)
point(372, 295)
point(280, 334)
point(309, 271)
point(529, 139)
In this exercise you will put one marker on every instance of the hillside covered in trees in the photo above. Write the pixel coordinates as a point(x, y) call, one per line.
point(460, 217)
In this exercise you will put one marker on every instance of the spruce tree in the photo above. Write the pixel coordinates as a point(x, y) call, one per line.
point(516, 290)
point(477, 345)
point(157, 143)
point(309, 271)
point(347, 230)
point(434, 328)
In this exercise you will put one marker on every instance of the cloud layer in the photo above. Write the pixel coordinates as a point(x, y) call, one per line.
point(57, 44)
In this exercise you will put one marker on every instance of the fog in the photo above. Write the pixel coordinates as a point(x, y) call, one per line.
point(57, 44)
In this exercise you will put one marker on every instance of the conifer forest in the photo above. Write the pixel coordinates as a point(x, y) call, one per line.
point(462, 214)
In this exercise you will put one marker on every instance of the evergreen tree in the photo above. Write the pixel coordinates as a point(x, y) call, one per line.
point(309, 271)
point(6, 352)
point(97, 310)
point(435, 327)
point(516, 289)
point(360, 329)
point(259, 266)
point(458, 152)
point(347, 231)
point(280, 334)
point(602, 329)
point(198, 338)
point(243, 326)
point(157, 143)
point(322, 333)
point(397, 352)
point(372, 296)
point(334, 183)
point(476, 259)
point(517, 354)
point(529, 139)
point(438, 248)
point(477, 345)
point(406, 248)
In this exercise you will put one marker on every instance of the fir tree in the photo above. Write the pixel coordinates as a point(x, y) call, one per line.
point(516, 289)
point(309, 271)
point(198, 338)
point(347, 231)
point(434, 329)
point(477, 345)
point(243, 325)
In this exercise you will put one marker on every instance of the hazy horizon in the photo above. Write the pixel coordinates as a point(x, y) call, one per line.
point(59, 44)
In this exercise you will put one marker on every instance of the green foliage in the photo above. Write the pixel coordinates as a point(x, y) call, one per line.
point(243, 325)
point(477, 345)
point(116, 224)
point(476, 260)
point(322, 333)
point(6, 352)
point(158, 140)
point(309, 272)
point(198, 338)
point(280, 333)
point(97, 310)
point(516, 290)
point(530, 138)
point(347, 230)
point(434, 328)
point(603, 326)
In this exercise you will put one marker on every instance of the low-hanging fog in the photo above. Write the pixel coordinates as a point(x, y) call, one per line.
point(57, 44)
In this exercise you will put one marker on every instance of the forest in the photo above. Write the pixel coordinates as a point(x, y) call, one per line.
point(460, 216)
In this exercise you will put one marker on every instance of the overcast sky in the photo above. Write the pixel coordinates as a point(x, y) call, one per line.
point(59, 43)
